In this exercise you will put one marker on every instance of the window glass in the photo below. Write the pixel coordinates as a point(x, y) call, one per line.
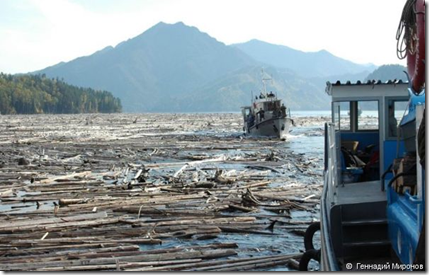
point(342, 115)
point(367, 115)
point(272, 106)
point(396, 109)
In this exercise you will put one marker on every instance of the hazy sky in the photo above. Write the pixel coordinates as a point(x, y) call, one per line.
point(40, 33)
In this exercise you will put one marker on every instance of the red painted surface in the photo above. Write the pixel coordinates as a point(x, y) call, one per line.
point(416, 61)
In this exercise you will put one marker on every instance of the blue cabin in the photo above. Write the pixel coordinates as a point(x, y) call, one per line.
point(368, 208)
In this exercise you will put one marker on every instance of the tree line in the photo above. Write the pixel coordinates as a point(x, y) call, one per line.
point(37, 94)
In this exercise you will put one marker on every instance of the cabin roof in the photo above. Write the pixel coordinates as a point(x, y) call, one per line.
point(368, 82)
point(369, 88)
point(267, 99)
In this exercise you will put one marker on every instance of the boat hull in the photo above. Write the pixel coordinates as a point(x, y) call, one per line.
point(275, 127)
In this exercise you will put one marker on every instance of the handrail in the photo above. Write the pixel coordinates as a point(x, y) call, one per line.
point(325, 167)
point(419, 117)
point(332, 158)
point(420, 179)
point(330, 180)
point(325, 230)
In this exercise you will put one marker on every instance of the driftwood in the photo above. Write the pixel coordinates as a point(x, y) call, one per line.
point(149, 192)
point(247, 264)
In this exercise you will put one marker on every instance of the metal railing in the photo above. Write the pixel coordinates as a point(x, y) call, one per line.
point(328, 259)
point(331, 161)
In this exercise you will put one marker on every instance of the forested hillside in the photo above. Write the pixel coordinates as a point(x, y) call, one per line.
point(388, 72)
point(37, 94)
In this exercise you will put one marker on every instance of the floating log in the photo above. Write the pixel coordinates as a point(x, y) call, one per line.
point(196, 187)
point(109, 260)
point(247, 264)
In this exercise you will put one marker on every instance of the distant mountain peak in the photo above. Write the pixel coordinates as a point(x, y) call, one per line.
point(156, 69)
point(259, 43)
point(164, 61)
point(163, 25)
point(255, 41)
point(172, 28)
point(308, 64)
point(324, 51)
point(180, 23)
point(166, 31)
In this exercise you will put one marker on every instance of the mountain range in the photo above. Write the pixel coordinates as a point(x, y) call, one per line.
point(177, 68)
point(307, 64)
point(388, 72)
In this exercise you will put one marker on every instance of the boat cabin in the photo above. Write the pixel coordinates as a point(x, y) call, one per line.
point(264, 112)
point(366, 117)
point(361, 143)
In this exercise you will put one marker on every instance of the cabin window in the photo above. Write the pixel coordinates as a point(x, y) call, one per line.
point(395, 111)
point(342, 115)
point(272, 106)
point(367, 114)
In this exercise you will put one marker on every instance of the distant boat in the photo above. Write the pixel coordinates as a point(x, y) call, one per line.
point(266, 116)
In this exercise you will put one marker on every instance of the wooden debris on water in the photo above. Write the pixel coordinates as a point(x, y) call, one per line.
point(148, 193)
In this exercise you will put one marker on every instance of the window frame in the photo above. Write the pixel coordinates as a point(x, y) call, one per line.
point(335, 113)
point(378, 116)
point(388, 101)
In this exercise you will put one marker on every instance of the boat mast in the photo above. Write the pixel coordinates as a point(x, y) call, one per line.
point(264, 78)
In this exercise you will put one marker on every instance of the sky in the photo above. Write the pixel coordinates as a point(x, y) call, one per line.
point(36, 34)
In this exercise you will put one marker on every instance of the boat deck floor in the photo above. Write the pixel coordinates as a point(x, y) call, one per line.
point(360, 192)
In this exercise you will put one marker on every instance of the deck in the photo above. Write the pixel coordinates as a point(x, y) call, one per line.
point(359, 192)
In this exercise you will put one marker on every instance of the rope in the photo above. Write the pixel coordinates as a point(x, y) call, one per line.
point(406, 33)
